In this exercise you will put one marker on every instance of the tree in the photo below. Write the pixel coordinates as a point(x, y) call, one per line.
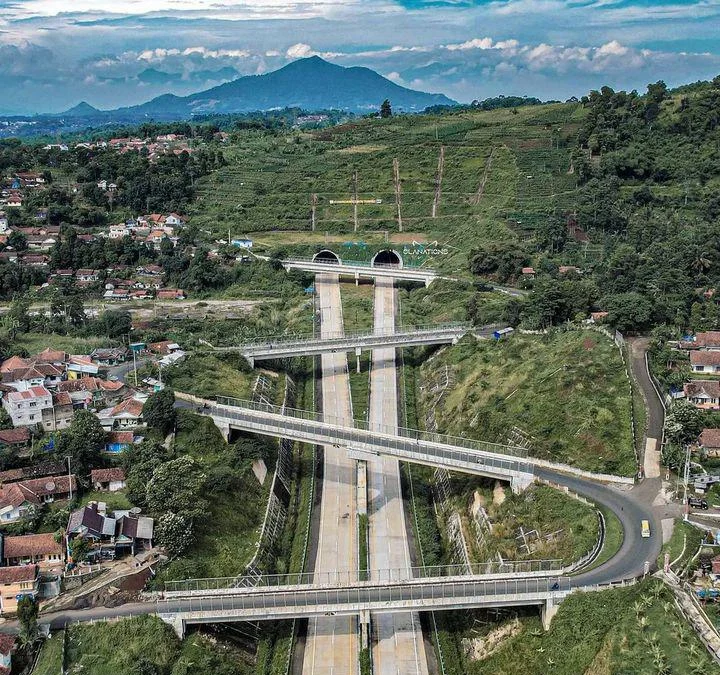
point(140, 463)
point(174, 533)
point(628, 311)
point(83, 441)
point(116, 323)
point(177, 486)
point(683, 422)
point(159, 411)
point(27, 611)
point(385, 109)
point(79, 549)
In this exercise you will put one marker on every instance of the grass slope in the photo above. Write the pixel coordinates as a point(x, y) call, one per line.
point(568, 391)
point(632, 630)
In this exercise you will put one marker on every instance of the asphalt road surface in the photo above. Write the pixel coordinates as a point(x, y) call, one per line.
point(397, 638)
point(331, 647)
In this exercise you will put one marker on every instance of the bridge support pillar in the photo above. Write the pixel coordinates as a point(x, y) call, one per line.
point(224, 429)
point(251, 361)
point(176, 622)
point(357, 279)
point(547, 612)
point(364, 629)
point(358, 351)
point(520, 483)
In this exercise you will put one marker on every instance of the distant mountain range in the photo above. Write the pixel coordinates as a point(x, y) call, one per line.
point(310, 84)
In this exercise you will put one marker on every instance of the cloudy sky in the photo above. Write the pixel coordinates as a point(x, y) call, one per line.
point(55, 53)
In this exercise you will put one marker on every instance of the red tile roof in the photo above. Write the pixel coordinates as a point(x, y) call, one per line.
point(710, 438)
point(14, 363)
point(14, 575)
point(31, 545)
point(106, 475)
point(15, 436)
point(121, 437)
point(702, 357)
point(130, 405)
point(7, 642)
point(710, 388)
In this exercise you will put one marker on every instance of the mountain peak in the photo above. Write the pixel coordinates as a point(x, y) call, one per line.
point(310, 83)
point(82, 109)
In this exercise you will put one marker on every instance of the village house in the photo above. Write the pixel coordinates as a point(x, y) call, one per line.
point(118, 231)
point(119, 441)
point(709, 440)
point(25, 407)
point(109, 356)
point(35, 259)
point(80, 366)
point(528, 272)
point(15, 583)
point(704, 394)
point(705, 340)
point(174, 220)
point(41, 549)
point(125, 415)
point(94, 392)
point(14, 438)
point(171, 294)
point(108, 480)
point(705, 361)
point(123, 532)
point(60, 416)
point(34, 471)
point(22, 498)
point(87, 276)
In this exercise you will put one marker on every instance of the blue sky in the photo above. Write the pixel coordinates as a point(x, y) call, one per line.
point(55, 53)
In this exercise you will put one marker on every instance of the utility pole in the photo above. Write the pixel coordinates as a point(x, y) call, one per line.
point(398, 188)
point(69, 477)
point(355, 200)
point(438, 181)
point(686, 479)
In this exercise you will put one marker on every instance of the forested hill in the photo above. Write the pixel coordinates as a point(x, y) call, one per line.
point(649, 171)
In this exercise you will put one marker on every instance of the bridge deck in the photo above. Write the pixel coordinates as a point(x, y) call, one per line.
point(487, 459)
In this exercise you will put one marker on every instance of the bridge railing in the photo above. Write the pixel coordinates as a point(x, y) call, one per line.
point(282, 341)
point(335, 578)
point(395, 436)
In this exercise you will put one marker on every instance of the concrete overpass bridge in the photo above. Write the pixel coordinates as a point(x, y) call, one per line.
point(494, 460)
point(284, 347)
point(361, 270)
point(362, 597)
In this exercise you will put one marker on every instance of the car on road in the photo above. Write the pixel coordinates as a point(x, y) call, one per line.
point(645, 525)
point(697, 503)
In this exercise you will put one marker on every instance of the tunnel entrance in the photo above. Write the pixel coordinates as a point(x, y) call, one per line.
point(387, 257)
point(326, 256)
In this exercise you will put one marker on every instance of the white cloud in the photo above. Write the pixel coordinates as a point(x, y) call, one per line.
point(299, 51)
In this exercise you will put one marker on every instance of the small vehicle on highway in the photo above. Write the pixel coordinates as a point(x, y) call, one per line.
point(697, 503)
point(645, 525)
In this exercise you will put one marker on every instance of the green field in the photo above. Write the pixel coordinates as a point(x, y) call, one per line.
point(566, 394)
